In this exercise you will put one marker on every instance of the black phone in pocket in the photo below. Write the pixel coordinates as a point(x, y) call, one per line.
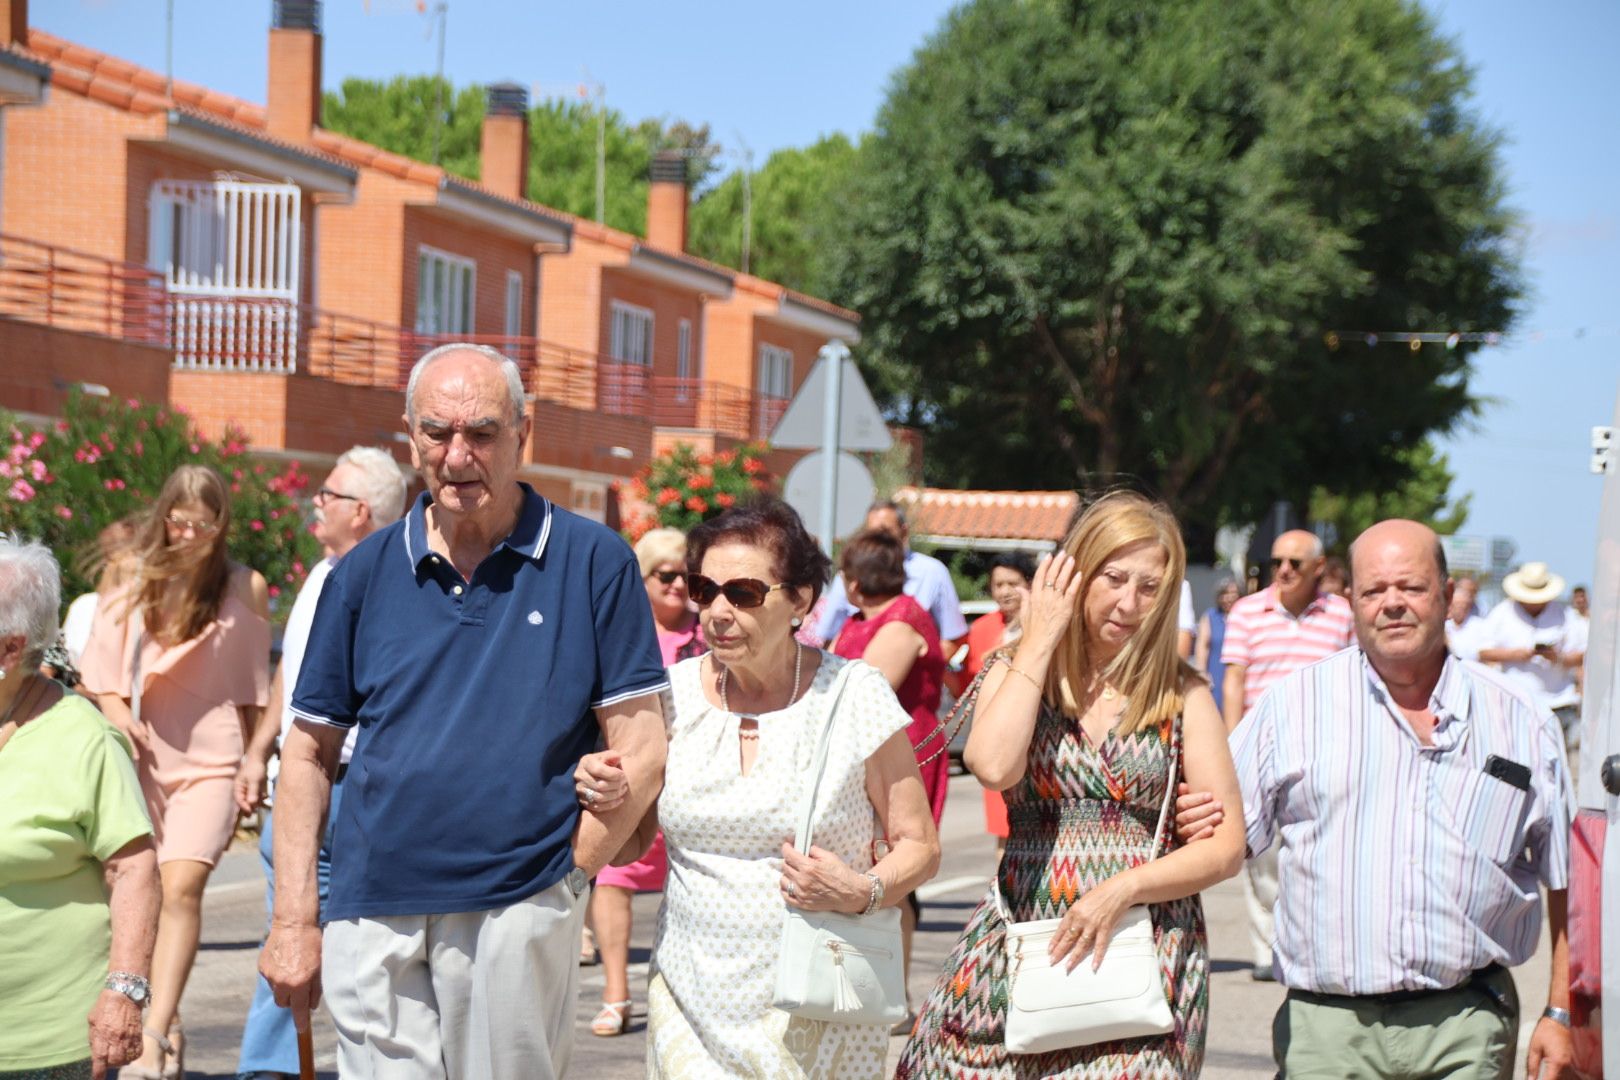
point(1509, 772)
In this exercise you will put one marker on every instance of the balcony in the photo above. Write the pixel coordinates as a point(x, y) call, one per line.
point(40, 283)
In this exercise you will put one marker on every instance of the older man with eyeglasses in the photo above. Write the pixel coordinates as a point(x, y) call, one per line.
point(1270, 634)
point(481, 646)
point(364, 492)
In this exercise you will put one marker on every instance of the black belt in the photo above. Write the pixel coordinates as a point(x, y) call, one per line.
point(1479, 980)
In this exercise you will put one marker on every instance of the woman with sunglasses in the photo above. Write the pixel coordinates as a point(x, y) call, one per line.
point(743, 734)
point(661, 554)
point(179, 660)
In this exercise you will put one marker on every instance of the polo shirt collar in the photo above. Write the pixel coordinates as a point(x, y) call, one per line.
point(528, 538)
point(1274, 603)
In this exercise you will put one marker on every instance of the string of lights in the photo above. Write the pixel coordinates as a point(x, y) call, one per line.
point(1416, 339)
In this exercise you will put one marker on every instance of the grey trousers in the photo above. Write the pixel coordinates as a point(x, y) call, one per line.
point(482, 995)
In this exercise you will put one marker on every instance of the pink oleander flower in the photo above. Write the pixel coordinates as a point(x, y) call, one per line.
point(7, 469)
point(36, 440)
point(256, 526)
point(21, 491)
point(36, 468)
point(275, 591)
point(64, 513)
point(195, 448)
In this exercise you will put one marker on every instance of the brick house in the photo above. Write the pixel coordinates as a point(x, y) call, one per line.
point(298, 272)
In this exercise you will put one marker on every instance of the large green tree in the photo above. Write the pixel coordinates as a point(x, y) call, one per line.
point(398, 114)
point(1424, 496)
point(796, 206)
point(1094, 238)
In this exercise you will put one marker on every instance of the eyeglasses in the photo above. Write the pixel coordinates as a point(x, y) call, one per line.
point(667, 578)
point(743, 592)
point(201, 528)
point(326, 495)
point(1297, 564)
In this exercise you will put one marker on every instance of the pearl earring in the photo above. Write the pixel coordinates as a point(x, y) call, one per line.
point(797, 622)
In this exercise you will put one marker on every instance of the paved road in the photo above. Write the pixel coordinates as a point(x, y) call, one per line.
point(1240, 1009)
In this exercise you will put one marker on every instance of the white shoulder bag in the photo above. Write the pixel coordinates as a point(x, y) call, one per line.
point(1049, 1008)
point(844, 968)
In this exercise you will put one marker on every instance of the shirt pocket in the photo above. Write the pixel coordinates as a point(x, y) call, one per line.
point(1491, 815)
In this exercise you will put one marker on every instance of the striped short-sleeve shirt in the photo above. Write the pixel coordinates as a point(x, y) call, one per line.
point(1403, 866)
point(1269, 641)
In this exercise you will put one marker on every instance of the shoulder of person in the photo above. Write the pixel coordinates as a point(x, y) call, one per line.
point(1507, 696)
point(249, 586)
point(1252, 604)
point(78, 723)
point(605, 549)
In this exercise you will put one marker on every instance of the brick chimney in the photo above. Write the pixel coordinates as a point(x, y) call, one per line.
point(14, 22)
point(666, 201)
point(504, 155)
point(295, 69)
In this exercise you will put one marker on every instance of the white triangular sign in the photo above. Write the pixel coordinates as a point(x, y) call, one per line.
point(860, 424)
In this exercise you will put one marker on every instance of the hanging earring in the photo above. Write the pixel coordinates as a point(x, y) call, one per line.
point(797, 622)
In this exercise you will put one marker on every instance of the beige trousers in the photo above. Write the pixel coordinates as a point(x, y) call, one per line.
point(1457, 1034)
point(1260, 896)
point(481, 995)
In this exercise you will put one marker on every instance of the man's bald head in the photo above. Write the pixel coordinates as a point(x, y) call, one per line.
point(1400, 593)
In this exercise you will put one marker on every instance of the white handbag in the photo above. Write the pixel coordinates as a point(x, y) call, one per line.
point(845, 968)
point(1049, 1008)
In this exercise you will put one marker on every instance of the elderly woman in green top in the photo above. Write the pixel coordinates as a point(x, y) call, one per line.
point(78, 875)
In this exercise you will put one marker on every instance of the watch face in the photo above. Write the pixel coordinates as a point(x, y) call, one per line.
point(137, 994)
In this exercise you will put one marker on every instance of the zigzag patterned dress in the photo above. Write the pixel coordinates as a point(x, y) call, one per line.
point(1081, 815)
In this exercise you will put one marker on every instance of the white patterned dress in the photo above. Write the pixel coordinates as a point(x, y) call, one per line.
point(714, 959)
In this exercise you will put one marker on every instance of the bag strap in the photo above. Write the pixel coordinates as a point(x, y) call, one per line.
point(135, 675)
point(801, 839)
point(1158, 830)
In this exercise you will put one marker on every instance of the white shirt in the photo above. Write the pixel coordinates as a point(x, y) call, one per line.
point(1579, 630)
point(927, 581)
point(293, 640)
point(1464, 639)
point(1549, 684)
point(76, 627)
point(1186, 618)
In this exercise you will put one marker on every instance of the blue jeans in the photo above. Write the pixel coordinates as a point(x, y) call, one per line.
point(269, 1041)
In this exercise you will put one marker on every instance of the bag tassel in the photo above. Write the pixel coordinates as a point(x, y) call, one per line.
point(844, 996)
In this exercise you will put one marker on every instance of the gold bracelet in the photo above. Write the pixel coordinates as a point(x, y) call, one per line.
point(1016, 670)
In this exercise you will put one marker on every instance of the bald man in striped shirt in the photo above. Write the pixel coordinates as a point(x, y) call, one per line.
point(1420, 803)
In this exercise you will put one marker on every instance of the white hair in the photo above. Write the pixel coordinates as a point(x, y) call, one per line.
point(30, 595)
point(508, 366)
point(379, 484)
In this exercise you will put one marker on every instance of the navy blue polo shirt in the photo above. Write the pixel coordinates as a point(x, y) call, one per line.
point(474, 703)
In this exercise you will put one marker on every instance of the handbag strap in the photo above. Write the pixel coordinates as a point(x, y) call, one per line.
point(135, 675)
point(1158, 830)
point(801, 839)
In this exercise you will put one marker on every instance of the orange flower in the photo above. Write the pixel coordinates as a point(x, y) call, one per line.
point(753, 466)
point(697, 505)
point(724, 501)
point(700, 482)
point(668, 495)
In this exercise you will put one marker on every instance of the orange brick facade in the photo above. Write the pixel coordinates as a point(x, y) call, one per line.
point(78, 171)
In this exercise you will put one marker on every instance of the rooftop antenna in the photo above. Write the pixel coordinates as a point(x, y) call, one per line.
point(747, 154)
point(591, 87)
point(440, 12)
point(168, 53)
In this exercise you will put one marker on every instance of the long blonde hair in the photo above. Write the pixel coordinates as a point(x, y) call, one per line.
point(1147, 671)
point(200, 573)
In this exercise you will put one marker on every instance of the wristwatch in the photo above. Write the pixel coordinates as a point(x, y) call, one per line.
point(134, 987)
point(1556, 1015)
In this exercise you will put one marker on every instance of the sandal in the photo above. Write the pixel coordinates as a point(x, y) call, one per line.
point(142, 1072)
point(614, 1019)
point(587, 949)
point(174, 1056)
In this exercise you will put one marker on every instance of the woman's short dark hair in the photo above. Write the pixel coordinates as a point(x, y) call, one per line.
point(771, 524)
point(876, 563)
point(1021, 563)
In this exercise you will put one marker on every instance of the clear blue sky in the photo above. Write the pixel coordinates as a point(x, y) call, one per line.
point(773, 77)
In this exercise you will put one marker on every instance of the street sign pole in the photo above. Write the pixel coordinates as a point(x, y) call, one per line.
point(832, 355)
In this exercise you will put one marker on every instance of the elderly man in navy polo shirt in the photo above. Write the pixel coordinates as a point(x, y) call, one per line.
point(482, 645)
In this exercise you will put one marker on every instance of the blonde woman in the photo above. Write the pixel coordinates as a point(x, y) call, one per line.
point(1077, 728)
point(179, 661)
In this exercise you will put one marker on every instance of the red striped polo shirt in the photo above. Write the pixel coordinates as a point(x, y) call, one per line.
point(1270, 643)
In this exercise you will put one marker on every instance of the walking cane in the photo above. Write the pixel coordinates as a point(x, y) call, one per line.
point(306, 1056)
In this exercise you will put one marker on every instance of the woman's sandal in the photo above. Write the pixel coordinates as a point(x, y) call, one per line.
point(587, 949)
point(141, 1072)
point(614, 1019)
point(174, 1057)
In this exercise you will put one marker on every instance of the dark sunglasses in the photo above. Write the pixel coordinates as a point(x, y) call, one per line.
point(1297, 564)
point(743, 592)
point(667, 578)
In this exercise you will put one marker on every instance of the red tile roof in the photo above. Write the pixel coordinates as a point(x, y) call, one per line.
point(988, 515)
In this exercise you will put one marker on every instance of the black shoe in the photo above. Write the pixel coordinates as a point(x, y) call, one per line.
point(1262, 974)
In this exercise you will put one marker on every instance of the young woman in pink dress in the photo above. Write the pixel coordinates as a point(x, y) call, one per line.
point(662, 556)
point(893, 633)
point(179, 660)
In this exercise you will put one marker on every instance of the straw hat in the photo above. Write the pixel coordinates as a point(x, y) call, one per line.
point(1533, 583)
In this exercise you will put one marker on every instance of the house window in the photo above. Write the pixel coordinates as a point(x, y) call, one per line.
point(775, 371)
point(514, 304)
point(444, 292)
point(631, 335)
